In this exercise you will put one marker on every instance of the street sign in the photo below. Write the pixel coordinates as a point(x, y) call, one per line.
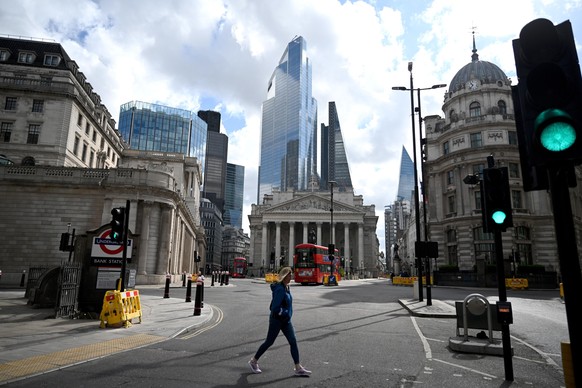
point(106, 247)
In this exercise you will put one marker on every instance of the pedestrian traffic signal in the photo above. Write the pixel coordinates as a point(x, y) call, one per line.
point(549, 94)
point(117, 223)
point(496, 200)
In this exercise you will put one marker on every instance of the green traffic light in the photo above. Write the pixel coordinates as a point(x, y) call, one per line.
point(556, 130)
point(498, 217)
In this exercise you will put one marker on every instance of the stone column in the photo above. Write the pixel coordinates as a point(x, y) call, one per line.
point(319, 233)
point(144, 238)
point(277, 243)
point(360, 245)
point(291, 243)
point(347, 243)
point(305, 225)
point(264, 242)
point(164, 240)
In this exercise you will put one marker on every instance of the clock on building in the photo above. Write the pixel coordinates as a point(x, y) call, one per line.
point(473, 84)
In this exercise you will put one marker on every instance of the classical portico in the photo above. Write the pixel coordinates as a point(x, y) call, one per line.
point(285, 219)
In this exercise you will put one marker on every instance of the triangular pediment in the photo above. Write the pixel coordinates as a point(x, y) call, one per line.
point(313, 203)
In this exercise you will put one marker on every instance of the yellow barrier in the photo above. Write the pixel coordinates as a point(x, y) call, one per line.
point(516, 283)
point(271, 277)
point(120, 308)
point(408, 281)
point(561, 291)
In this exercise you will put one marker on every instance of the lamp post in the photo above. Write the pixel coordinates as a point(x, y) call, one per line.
point(416, 194)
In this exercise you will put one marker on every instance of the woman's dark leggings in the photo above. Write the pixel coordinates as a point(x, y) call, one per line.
point(275, 326)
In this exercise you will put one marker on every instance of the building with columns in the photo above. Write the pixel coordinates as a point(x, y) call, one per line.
point(285, 219)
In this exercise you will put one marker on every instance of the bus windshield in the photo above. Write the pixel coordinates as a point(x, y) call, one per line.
point(305, 258)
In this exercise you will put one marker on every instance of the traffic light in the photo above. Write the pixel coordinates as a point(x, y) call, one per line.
point(549, 95)
point(496, 200)
point(117, 223)
point(331, 252)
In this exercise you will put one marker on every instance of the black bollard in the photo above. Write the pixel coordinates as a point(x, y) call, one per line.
point(189, 289)
point(198, 300)
point(212, 282)
point(167, 289)
point(226, 279)
point(202, 296)
point(222, 278)
point(22, 278)
point(183, 279)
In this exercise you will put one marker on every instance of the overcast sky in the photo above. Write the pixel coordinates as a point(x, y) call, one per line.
point(220, 54)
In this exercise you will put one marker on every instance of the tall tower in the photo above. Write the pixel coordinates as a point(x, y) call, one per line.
point(216, 156)
point(334, 161)
point(288, 125)
point(233, 200)
point(406, 179)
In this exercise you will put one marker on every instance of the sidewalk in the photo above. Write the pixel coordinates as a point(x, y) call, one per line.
point(32, 343)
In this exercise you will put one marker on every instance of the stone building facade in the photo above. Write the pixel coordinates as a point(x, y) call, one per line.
point(285, 219)
point(478, 122)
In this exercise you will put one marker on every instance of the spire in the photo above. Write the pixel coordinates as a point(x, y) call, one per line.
point(475, 56)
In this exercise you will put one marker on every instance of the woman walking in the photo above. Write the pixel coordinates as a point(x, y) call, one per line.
point(280, 320)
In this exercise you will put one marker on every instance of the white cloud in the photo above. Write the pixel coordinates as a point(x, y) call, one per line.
point(182, 53)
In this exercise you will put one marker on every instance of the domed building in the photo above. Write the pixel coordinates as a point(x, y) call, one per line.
point(479, 121)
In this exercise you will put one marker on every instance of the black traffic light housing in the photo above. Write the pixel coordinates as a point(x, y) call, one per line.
point(496, 199)
point(548, 98)
point(117, 223)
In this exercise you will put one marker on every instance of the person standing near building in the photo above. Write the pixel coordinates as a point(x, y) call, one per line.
point(280, 320)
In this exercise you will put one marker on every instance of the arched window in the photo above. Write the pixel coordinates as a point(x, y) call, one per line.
point(502, 107)
point(474, 109)
point(28, 161)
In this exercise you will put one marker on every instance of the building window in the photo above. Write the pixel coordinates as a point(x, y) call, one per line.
point(522, 237)
point(452, 236)
point(80, 120)
point(516, 199)
point(4, 55)
point(6, 132)
point(94, 136)
point(513, 170)
point(450, 177)
point(477, 196)
point(25, 57)
point(33, 133)
point(502, 107)
point(87, 128)
point(474, 109)
point(512, 137)
point(37, 106)
point(10, 103)
point(84, 153)
point(91, 158)
point(102, 147)
point(483, 248)
point(478, 169)
point(52, 60)
point(451, 204)
point(76, 145)
point(476, 140)
point(445, 148)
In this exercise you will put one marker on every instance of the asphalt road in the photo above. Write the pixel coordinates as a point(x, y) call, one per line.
point(353, 335)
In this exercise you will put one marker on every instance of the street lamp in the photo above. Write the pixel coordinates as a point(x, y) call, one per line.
point(416, 195)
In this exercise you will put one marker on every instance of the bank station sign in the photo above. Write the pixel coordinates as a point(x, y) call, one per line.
point(106, 251)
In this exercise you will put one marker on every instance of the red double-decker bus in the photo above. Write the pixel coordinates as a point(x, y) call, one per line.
point(311, 262)
point(239, 267)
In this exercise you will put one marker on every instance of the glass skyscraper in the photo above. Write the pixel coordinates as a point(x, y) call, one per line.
point(406, 179)
point(235, 187)
point(288, 125)
point(334, 161)
point(152, 127)
point(216, 156)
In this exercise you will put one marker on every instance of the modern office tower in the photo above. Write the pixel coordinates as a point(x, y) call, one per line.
point(233, 200)
point(152, 127)
point(211, 218)
point(216, 155)
point(406, 179)
point(288, 125)
point(334, 162)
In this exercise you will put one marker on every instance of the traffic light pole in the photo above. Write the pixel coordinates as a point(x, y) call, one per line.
point(505, 338)
point(569, 262)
